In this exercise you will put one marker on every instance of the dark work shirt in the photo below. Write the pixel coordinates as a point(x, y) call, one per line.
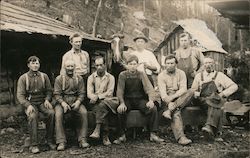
point(74, 86)
point(38, 91)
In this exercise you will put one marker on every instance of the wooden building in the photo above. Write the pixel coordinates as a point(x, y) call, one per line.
point(202, 38)
point(25, 33)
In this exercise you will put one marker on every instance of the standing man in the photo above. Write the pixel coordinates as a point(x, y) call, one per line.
point(210, 88)
point(147, 60)
point(69, 93)
point(34, 92)
point(100, 89)
point(190, 59)
point(80, 57)
point(172, 84)
point(134, 91)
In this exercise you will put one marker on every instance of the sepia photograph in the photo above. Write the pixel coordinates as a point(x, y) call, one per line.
point(125, 78)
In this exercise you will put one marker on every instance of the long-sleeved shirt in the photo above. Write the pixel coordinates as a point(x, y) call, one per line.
point(103, 87)
point(223, 83)
point(196, 56)
point(73, 86)
point(147, 57)
point(81, 60)
point(121, 87)
point(38, 90)
point(170, 84)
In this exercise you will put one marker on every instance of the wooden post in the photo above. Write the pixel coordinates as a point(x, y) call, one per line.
point(241, 40)
point(96, 18)
point(229, 39)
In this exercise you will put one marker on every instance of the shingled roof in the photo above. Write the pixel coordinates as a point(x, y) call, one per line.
point(17, 19)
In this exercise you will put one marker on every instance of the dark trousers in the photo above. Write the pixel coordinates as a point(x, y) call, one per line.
point(139, 104)
point(101, 111)
point(33, 123)
point(79, 119)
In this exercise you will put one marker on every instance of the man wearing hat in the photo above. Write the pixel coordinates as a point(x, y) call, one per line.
point(210, 87)
point(147, 60)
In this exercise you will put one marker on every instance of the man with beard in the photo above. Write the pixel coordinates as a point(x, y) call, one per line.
point(210, 87)
point(34, 92)
point(69, 93)
point(173, 90)
point(134, 92)
point(100, 89)
point(190, 59)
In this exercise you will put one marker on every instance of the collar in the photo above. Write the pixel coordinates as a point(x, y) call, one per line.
point(95, 74)
point(32, 73)
point(73, 51)
point(171, 73)
point(209, 74)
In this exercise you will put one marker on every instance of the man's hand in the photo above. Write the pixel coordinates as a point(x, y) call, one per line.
point(150, 104)
point(30, 110)
point(122, 108)
point(47, 105)
point(197, 94)
point(94, 99)
point(75, 106)
point(194, 73)
point(221, 94)
point(65, 106)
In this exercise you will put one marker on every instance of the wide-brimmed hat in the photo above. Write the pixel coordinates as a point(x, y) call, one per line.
point(215, 100)
point(141, 37)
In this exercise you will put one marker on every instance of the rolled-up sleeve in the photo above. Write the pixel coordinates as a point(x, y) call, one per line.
point(155, 63)
point(48, 88)
point(21, 92)
point(90, 87)
point(121, 87)
point(229, 86)
point(148, 88)
point(196, 83)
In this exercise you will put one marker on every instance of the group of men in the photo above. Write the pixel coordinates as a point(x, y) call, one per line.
point(75, 92)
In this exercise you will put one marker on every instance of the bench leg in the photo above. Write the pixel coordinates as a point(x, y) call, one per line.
point(134, 132)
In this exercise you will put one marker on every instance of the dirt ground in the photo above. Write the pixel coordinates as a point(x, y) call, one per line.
point(234, 144)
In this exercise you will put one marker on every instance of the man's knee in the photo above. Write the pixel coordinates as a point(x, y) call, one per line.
point(58, 111)
point(82, 110)
point(33, 116)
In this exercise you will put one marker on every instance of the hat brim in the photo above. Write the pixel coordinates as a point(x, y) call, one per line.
point(141, 37)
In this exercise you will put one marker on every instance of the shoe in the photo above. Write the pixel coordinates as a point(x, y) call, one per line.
point(184, 141)
point(167, 114)
point(61, 147)
point(95, 135)
point(83, 144)
point(120, 139)
point(34, 149)
point(208, 133)
point(51, 146)
point(106, 141)
point(155, 138)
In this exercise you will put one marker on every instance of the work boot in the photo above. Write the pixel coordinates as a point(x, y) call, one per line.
point(95, 135)
point(106, 140)
point(155, 138)
point(184, 140)
point(167, 114)
point(83, 143)
point(120, 140)
point(61, 147)
point(208, 133)
point(34, 149)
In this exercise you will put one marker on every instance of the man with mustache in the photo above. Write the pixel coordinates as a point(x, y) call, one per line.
point(34, 92)
point(173, 90)
point(100, 89)
point(210, 87)
point(69, 92)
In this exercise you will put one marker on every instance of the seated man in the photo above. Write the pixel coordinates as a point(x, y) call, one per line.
point(100, 90)
point(210, 88)
point(173, 90)
point(69, 94)
point(134, 91)
point(34, 92)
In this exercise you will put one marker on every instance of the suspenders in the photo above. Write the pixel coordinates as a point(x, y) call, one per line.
point(27, 80)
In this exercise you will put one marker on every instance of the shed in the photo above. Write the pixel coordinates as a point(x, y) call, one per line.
point(25, 33)
point(202, 38)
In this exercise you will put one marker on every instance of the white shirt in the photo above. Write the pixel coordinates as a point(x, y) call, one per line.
point(147, 57)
